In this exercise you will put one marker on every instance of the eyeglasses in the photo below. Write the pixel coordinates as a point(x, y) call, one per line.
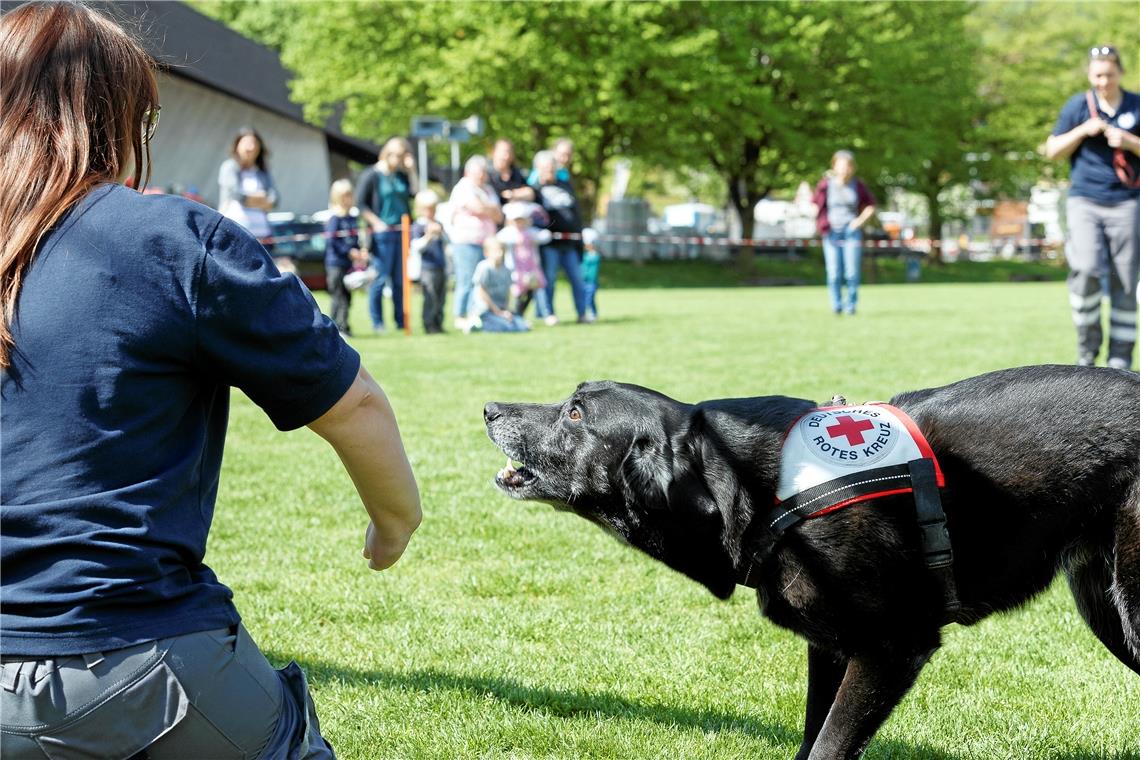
point(1104, 51)
point(150, 123)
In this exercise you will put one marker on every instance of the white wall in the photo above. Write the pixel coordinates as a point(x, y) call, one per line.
point(196, 131)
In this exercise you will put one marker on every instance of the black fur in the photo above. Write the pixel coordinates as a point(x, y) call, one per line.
point(1042, 470)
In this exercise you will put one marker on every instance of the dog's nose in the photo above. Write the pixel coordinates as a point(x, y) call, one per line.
point(492, 412)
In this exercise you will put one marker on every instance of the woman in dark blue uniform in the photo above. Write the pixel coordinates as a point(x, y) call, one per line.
point(126, 320)
point(1099, 132)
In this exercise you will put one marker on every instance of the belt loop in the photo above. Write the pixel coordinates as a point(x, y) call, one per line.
point(92, 659)
point(10, 674)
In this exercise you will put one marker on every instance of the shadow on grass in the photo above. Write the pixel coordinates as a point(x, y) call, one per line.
point(571, 704)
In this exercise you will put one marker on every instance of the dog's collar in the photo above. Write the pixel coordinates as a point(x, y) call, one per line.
point(840, 455)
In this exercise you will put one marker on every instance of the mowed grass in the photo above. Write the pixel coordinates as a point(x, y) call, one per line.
point(512, 631)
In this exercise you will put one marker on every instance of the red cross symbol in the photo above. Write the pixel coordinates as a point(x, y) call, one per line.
point(853, 429)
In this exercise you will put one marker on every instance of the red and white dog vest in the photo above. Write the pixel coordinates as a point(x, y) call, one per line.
point(835, 456)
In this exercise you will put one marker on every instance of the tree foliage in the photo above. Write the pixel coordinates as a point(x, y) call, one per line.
point(760, 93)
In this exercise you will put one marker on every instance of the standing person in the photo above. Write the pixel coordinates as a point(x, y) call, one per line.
point(843, 203)
point(591, 271)
point(475, 216)
point(342, 250)
point(246, 192)
point(561, 206)
point(126, 319)
point(522, 240)
point(429, 239)
point(506, 177)
point(383, 195)
point(1097, 131)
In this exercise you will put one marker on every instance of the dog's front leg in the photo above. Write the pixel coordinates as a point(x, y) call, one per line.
point(870, 689)
point(825, 672)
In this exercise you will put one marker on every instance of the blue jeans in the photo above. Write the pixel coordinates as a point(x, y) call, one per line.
point(495, 323)
point(566, 256)
point(389, 265)
point(590, 290)
point(847, 244)
point(467, 257)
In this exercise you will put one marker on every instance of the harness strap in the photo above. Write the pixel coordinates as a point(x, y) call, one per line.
point(917, 476)
point(936, 549)
point(1120, 163)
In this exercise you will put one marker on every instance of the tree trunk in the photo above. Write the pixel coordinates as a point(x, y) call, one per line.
point(935, 225)
point(743, 200)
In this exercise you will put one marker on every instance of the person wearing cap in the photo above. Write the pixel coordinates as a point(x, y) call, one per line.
point(521, 239)
point(843, 204)
point(1098, 130)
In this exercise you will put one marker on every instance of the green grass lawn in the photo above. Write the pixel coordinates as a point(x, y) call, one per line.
point(510, 631)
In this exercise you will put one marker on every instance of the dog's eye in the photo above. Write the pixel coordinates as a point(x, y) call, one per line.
point(574, 414)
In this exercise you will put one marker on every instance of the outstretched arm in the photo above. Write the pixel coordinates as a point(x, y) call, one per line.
point(362, 428)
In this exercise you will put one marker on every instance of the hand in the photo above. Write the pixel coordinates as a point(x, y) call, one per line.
point(1115, 136)
point(380, 551)
point(434, 228)
point(1093, 127)
point(409, 162)
point(854, 225)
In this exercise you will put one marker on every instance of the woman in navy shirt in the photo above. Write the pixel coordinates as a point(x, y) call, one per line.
point(1099, 132)
point(126, 321)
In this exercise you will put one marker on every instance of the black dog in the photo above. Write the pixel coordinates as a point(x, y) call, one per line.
point(1042, 472)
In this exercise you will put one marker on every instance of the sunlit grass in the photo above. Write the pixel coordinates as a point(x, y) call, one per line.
point(510, 631)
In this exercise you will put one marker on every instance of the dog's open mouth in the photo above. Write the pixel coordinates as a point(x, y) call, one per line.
point(514, 477)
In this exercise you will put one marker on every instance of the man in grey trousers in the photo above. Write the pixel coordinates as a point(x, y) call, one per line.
point(1099, 132)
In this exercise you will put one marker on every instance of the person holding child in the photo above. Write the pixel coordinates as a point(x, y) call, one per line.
point(522, 239)
point(428, 240)
point(491, 287)
point(342, 250)
point(383, 195)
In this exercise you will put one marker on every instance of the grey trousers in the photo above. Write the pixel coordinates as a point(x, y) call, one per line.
point(1104, 239)
point(203, 695)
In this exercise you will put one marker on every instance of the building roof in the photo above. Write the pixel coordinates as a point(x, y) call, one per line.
point(196, 47)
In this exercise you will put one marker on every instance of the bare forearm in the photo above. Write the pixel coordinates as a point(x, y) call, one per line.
point(864, 215)
point(1063, 145)
point(362, 428)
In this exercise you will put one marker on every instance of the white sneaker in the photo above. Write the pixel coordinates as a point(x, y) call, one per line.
point(551, 321)
point(1119, 362)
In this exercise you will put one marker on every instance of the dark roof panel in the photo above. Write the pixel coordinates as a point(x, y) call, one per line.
point(196, 47)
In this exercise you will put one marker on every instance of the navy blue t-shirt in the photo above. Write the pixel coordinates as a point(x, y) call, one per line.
point(341, 236)
point(136, 316)
point(1092, 175)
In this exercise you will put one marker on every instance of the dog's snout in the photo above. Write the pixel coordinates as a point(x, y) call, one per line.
point(492, 412)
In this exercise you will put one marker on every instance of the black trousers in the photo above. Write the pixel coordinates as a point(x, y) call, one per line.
point(433, 283)
point(339, 297)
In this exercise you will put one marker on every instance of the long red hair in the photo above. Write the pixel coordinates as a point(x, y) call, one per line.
point(75, 90)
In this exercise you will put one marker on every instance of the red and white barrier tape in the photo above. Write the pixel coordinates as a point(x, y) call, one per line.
point(703, 240)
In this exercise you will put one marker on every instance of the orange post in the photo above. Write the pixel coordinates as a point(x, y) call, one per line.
point(406, 240)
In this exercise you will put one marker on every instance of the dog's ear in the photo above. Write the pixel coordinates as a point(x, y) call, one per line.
point(647, 471)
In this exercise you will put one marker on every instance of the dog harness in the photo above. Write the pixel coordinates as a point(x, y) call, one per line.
point(839, 455)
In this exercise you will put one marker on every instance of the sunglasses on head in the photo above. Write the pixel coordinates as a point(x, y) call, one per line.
point(1104, 51)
